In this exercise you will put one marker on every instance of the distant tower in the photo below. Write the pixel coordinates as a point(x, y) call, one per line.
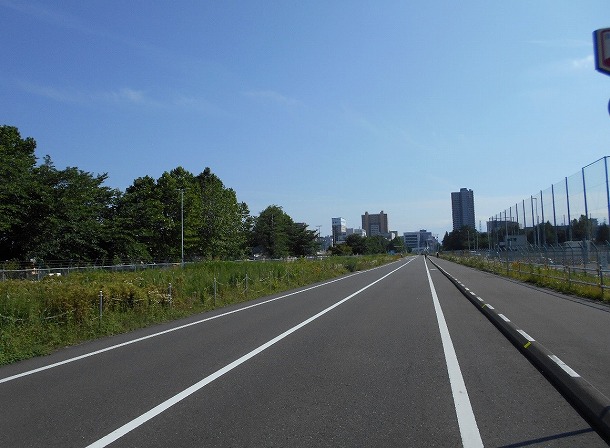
point(339, 228)
point(462, 206)
point(375, 224)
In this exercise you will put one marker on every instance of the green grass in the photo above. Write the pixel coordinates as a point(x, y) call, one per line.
point(579, 283)
point(37, 317)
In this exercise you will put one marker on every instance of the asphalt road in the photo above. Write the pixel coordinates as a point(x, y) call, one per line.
point(394, 356)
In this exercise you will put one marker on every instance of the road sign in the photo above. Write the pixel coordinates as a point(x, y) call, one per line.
point(601, 40)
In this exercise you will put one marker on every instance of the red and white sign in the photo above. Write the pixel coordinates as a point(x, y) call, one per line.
point(601, 39)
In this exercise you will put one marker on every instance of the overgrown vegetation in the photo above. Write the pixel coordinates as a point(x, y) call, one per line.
point(37, 317)
point(558, 278)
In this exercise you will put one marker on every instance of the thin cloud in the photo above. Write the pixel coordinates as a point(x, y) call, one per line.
point(120, 96)
point(273, 96)
point(585, 63)
point(361, 121)
point(561, 43)
point(70, 21)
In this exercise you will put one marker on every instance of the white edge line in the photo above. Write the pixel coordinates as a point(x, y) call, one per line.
point(133, 424)
point(469, 430)
point(181, 327)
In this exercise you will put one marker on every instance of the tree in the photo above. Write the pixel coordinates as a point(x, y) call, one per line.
point(603, 234)
point(548, 232)
point(341, 250)
point(276, 235)
point(138, 220)
point(303, 242)
point(17, 184)
point(463, 238)
point(453, 240)
point(72, 220)
point(376, 244)
point(581, 228)
point(396, 245)
point(224, 222)
point(271, 232)
point(357, 243)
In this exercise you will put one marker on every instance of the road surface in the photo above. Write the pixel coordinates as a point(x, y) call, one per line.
point(394, 356)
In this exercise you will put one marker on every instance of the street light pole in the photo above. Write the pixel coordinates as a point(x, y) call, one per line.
point(182, 227)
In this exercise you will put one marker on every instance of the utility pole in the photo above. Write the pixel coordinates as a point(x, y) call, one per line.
point(181, 227)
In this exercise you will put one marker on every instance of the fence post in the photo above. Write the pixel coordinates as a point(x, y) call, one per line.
point(101, 305)
point(601, 280)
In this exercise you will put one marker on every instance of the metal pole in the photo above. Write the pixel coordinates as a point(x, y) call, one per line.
point(182, 226)
point(532, 198)
point(524, 220)
point(569, 218)
point(554, 214)
point(542, 212)
point(584, 192)
point(607, 188)
point(101, 305)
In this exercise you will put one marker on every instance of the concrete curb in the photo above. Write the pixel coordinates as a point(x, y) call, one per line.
point(589, 402)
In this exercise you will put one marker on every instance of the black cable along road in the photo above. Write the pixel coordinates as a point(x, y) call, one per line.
point(586, 399)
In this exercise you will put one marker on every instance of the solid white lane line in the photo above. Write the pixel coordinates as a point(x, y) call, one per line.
point(566, 368)
point(465, 416)
point(181, 327)
point(130, 426)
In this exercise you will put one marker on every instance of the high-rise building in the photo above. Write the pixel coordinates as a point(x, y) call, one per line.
point(375, 224)
point(462, 206)
point(339, 228)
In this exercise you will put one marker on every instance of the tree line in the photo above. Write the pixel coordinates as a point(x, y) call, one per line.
point(48, 214)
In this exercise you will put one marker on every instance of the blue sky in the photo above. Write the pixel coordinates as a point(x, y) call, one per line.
point(326, 108)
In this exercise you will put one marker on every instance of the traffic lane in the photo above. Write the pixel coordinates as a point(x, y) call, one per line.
point(103, 343)
point(574, 329)
point(371, 372)
point(513, 402)
point(76, 401)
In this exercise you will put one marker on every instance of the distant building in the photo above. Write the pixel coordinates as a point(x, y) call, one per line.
point(462, 207)
point(420, 241)
point(360, 232)
point(325, 243)
point(339, 230)
point(375, 224)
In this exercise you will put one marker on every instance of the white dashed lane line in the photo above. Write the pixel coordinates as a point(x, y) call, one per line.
point(566, 368)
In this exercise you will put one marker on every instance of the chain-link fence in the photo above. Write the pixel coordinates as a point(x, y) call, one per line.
point(576, 254)
point(37, 272)
point(573, 262)
point(572, 211)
